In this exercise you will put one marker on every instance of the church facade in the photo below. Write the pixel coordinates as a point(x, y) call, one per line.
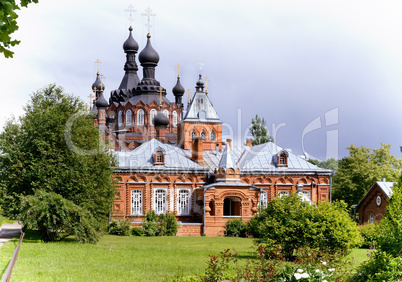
point(172, 158)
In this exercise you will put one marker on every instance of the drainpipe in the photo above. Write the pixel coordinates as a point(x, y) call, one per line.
point(330, 188)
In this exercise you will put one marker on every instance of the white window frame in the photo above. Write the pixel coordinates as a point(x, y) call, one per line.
point(166, 113)
point(136, 202)
point(371, 218)
point(129, 117)
point(263, 199)
point(140, 117)
point(378, 200)
point(283, 193)
point(152, 114)
point(307, 194)
point(120, 118)
point(174, 118)
point(160, 203)
point(203, 135)
point(193, 134)
point(183, 207)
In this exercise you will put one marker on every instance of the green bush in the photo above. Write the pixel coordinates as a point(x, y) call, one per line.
point(369, 233)
point(235, 228)
point(120, 227)
point(56, 218)
point(290, 224)
point(136, 231)
point(168, 225)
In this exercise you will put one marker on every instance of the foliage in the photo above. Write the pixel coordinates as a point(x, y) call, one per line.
point(235, 228)
point(120, 227)
point(385, 264)
point(369, 233)
point(37, 157)
point(290, 223)
point(168, 225)
point(57, 218)
point(361, 169)
point(8, 24)
point(1, 217)
point(327, 164)
point(152, 225)
point(136, 231)
point(259, 131)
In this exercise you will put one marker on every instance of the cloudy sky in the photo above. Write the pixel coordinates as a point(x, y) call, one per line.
point(323, 74)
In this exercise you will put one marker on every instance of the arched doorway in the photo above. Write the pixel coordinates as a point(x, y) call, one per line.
point(232, 206)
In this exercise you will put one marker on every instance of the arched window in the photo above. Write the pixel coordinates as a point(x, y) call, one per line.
point(232, 206)
point(166, 113)
point(283, 158)
point(203, 135)
point(159, 157)
point(160, 201)
point(140, 117)
point(174, 118)
point(120, 118)
point(283, 193)
point(371, 218)
point(152, 114)
point(193, 134)
point(128, 117)
point(263, 199)
point(213, 136)
point(183, 202)
point(136, 202)
point(307, 194)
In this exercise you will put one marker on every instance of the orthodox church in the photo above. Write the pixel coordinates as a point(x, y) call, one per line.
point(171, 157)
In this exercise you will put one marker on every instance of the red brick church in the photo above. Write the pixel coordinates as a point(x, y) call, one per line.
point(171, 157)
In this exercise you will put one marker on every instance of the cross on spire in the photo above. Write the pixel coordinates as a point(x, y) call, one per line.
point(201, 65)
point(130, 11)
point(160, 91)
point(148, 13)
point(102, 77)
point(188, 99)
point(97, 62)
point(90, 100)
point(206, 84)
point(178, 66)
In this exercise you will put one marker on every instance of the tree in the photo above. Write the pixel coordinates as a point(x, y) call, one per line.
point(37, 162)
point(361, 169)
point(327, 164)
point(288, 224)
point(8, 24)
point(259, 131)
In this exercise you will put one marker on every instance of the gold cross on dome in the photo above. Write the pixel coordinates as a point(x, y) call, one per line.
point(178, 66)
point(148, 13)
point(90, 100)
point(97, 62)
point(102, 77)
point(130, 10)
point(206, 83)
point(188, 92)
point(201, 65)
point(160, 91)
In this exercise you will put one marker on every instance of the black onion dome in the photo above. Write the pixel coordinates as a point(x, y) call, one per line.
point(200, 83)
point(178, 89)
point(130, 44)
point(148, 55)
point(161, 119)
point(97, 85)
point(101, 102)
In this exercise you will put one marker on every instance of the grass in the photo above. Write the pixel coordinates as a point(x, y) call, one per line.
point(117, 258)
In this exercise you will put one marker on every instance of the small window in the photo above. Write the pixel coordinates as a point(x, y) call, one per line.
point(166, 113)
point(152, 114)
point(174, 118)
point(193, 134)
point(128, 117)
point(307, 194)
point(120, 118)
point(378, 200)
point(183, 202)
point(283, 193)
point(136, 202)
point(263, 199)
point(283, 159)
point(160, 201)
point(140, 117)
point(159, 157)
point(213, 136)
point(371, 218)
point(203, 135)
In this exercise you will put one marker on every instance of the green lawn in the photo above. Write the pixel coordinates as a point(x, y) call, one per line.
point(117, 258)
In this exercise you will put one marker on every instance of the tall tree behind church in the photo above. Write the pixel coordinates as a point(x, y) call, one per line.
point(259, 131)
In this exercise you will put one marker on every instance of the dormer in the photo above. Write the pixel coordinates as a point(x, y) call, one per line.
point(282, 158)
point(159, 157)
